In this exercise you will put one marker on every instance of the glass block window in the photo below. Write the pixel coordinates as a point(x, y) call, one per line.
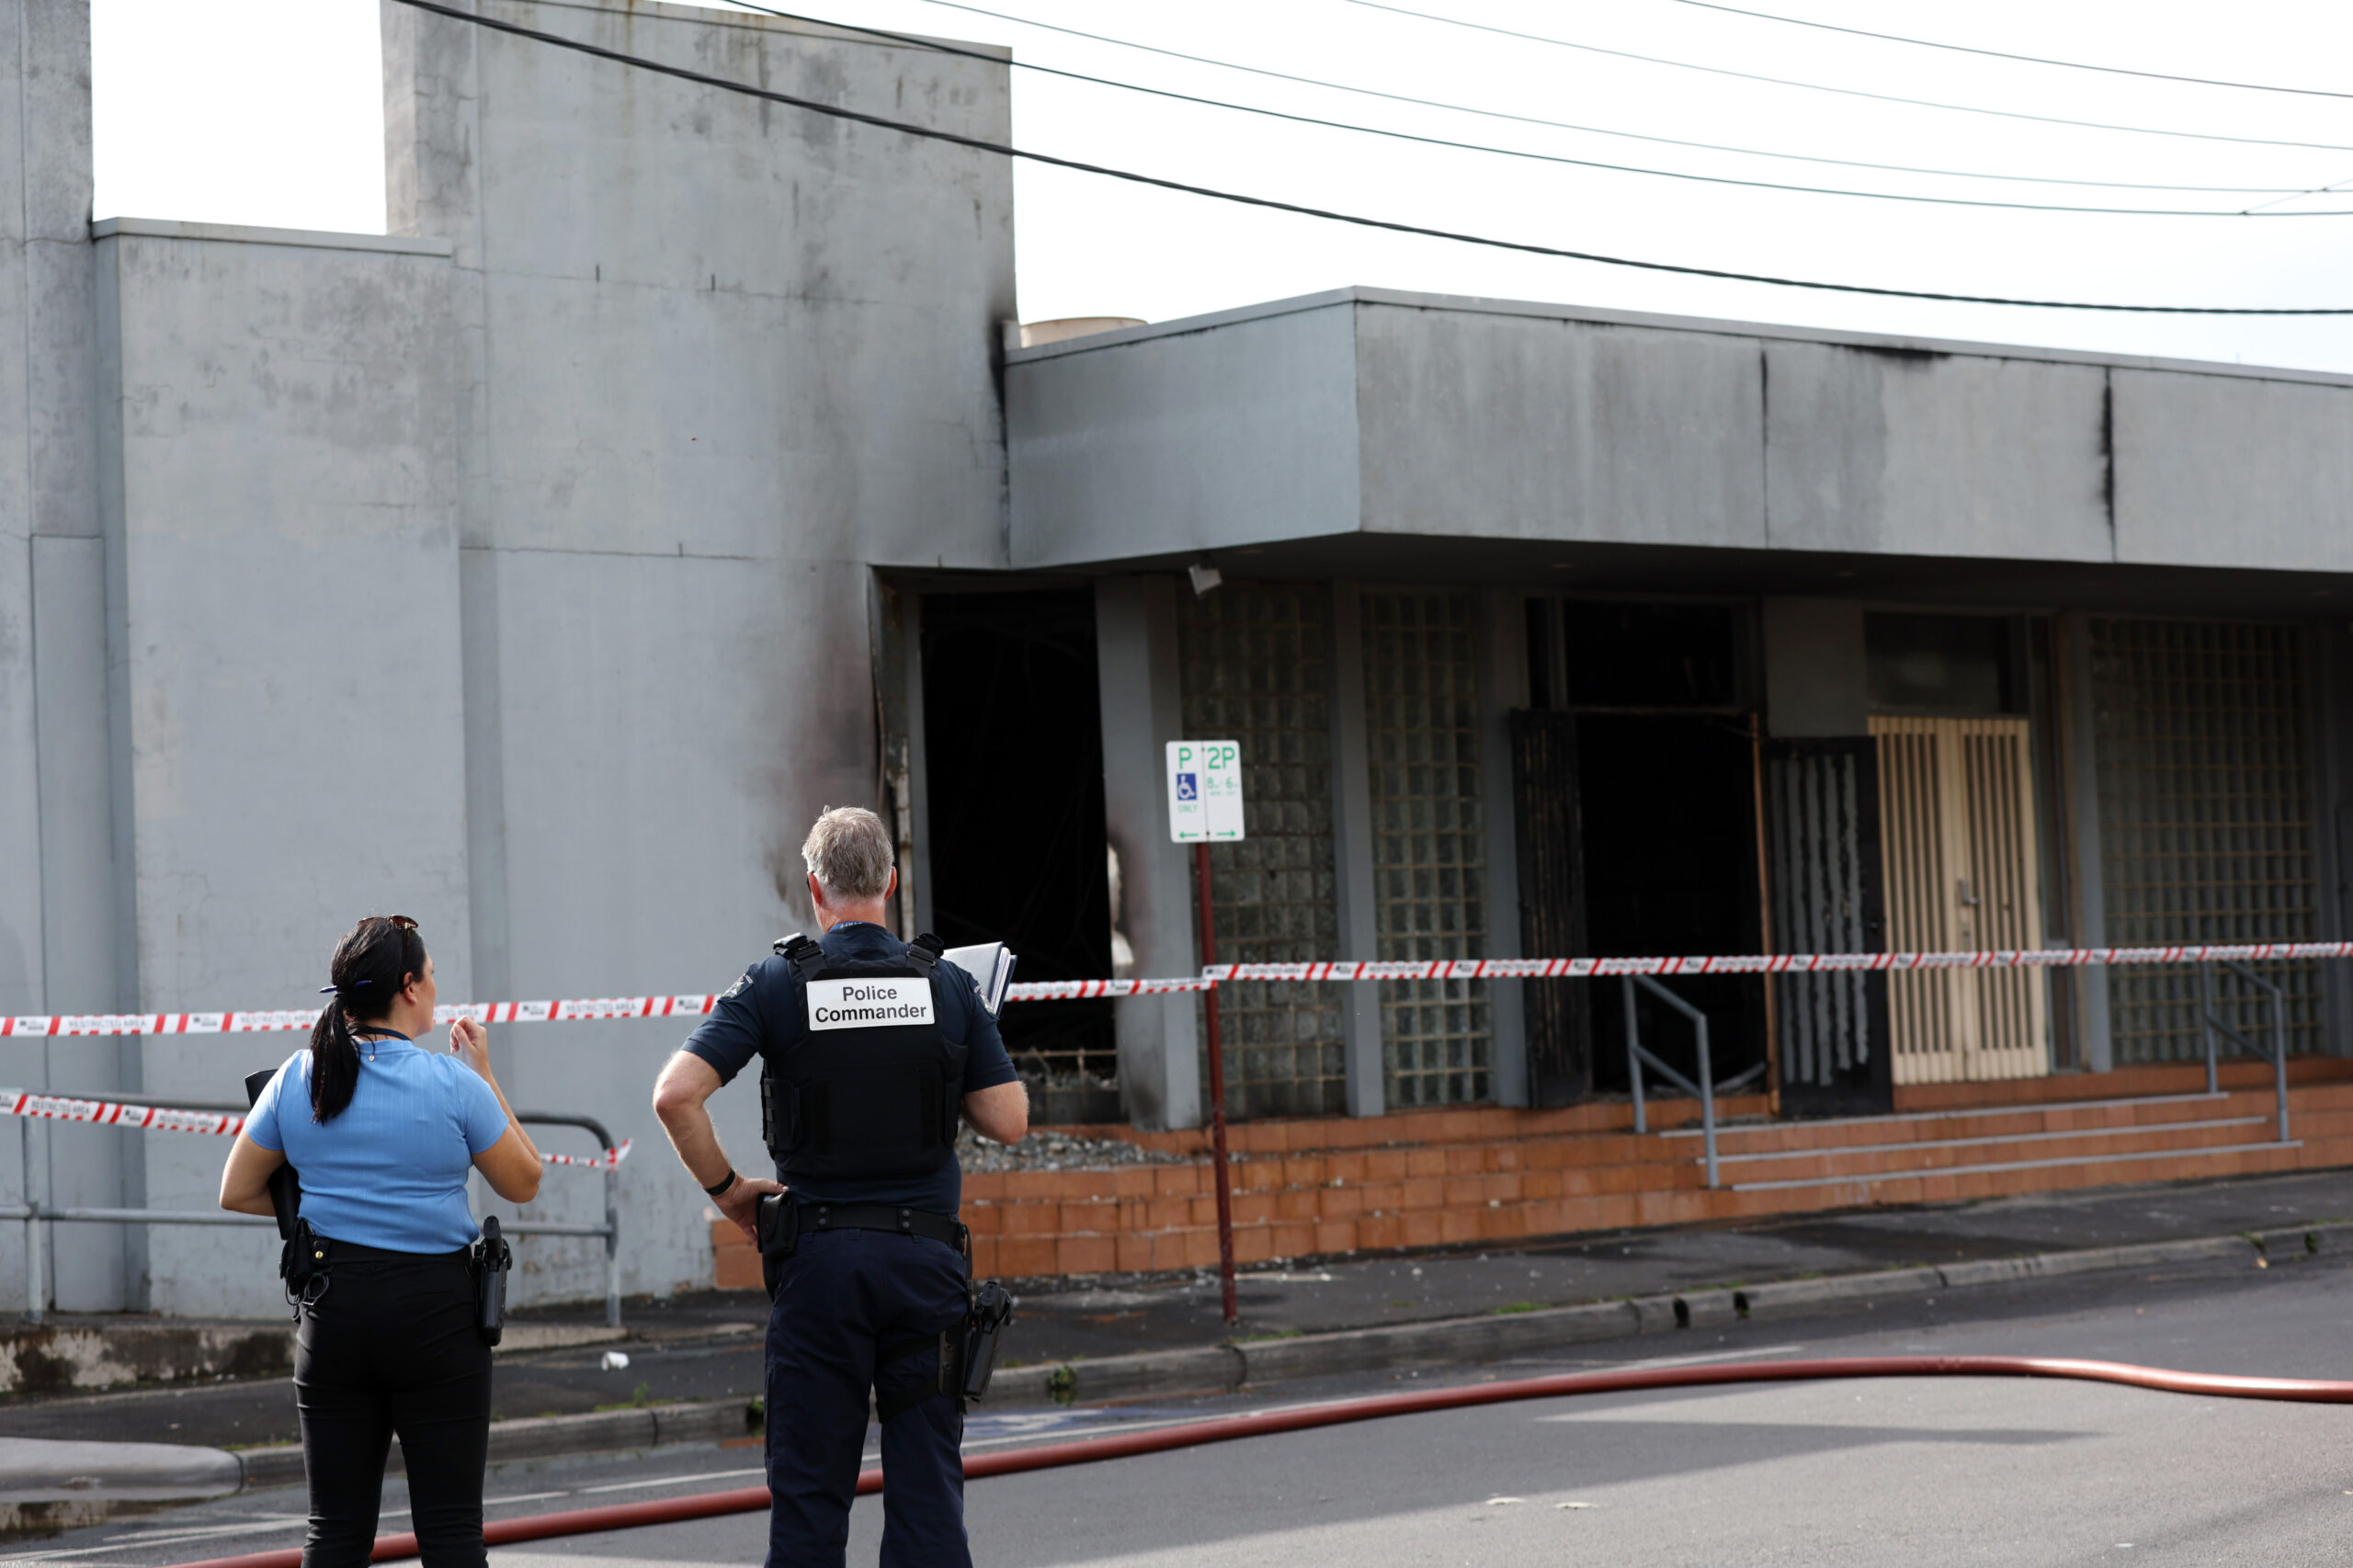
point(1254, 660)
point(1430, 855)
point(2205, 821)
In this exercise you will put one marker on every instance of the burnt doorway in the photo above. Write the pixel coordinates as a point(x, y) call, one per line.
point(1013, 751)
point(1669, 812)
point(1640, 773)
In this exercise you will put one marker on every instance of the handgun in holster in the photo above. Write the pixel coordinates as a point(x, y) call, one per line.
point(491, 1259)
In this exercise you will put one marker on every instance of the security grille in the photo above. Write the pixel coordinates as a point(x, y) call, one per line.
point(1430, 860)
point(1958, 834)
point(1254, 662)
point(1818, 833)
point(2205, 817)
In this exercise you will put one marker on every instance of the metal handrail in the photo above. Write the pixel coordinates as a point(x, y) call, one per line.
point(610, 1229)
point(2277, 1052)
point(36, 1215)
point(1704, 1091)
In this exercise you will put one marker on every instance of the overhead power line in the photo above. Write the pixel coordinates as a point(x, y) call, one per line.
point(2005, 54)
point(1003, 150)
point(940, 46)
point(1813, 86)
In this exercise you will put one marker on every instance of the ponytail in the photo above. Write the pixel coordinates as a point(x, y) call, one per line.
point(335, 1061)
point(373, 961)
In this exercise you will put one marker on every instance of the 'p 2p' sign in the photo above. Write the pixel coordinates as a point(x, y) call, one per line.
point(1204, 790)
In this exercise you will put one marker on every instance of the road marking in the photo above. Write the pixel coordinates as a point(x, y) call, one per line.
point(1701, 1360)
point(672, 1481)
point(165, 1537)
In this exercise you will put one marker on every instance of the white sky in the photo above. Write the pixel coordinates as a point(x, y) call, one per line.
point(269, 112)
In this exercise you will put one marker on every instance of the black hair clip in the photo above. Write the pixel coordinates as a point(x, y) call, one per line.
point(356, 984)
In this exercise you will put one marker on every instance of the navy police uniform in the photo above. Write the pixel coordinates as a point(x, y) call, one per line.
point(862, 1083)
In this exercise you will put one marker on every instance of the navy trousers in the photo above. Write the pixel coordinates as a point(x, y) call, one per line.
point(840, 1298)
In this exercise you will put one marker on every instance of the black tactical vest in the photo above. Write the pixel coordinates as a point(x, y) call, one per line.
point(873, 1088)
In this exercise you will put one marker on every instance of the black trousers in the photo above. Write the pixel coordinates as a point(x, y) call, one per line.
point(841, 1297)
point(391, 1347)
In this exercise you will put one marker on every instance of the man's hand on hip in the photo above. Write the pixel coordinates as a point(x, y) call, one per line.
point(741, 1203)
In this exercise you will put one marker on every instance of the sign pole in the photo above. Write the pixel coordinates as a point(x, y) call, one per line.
point(1205, 804)
point(1217, 1095)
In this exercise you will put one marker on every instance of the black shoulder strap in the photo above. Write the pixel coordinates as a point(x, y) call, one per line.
point(924, 952)
point(802, 952)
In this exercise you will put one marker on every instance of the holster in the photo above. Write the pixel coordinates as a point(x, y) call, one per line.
point(968, 1353)
point(775, 1225)
point(302, 1265)
point(492, 1259)
point(985, 1327)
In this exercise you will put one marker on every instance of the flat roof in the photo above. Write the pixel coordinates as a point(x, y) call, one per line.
point(1468, 304)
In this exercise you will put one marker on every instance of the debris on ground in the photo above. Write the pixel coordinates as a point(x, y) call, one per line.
point(1049, 1150)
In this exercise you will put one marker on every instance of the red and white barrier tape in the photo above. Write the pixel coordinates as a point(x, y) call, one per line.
point(268, 1021)
point(595, 1007)
point(1772, 963)
point(217, 1124)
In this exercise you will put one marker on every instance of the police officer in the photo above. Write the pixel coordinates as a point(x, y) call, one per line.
point(869, 1048)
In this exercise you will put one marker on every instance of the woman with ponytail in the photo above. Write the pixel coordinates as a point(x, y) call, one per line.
point(382, 1130)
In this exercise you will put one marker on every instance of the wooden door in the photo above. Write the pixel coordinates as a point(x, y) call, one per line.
point(1957, 837)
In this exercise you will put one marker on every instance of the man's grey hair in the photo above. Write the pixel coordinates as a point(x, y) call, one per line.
point(849, 853)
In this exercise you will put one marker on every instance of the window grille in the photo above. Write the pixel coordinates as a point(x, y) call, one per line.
point(1817, 834)
point(1429, 858)
point(2205, 818)
point(1254, 662)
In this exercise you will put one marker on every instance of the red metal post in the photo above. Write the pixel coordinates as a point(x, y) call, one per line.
point(1216, 1093)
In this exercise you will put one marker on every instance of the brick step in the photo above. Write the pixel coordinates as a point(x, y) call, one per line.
point(1426, 1178)
point(1937, 1126)
point(2244, 1158)
point(1868, 1159)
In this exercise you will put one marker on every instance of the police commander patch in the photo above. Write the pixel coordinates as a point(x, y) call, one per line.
point(869, 1002)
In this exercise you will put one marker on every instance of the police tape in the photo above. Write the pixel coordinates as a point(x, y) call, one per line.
point(211, 1124)
point(594, 1008)
point(578, 1010)
point(1772, 963)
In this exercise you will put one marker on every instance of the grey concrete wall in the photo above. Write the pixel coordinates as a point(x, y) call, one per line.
point(280, 517)
point(1904, 452)
point(1135, 661)
point(1506, 426)
point(1146, 444)
point(717, 358)
point(56, 949)
point(2220, 472)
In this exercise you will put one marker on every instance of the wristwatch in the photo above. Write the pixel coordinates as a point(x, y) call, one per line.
point(732, 1180)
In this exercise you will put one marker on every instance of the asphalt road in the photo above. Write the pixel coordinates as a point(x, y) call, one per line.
point(1924, 1470)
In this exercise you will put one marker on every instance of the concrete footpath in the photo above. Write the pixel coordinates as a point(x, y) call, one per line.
point(690, 1368)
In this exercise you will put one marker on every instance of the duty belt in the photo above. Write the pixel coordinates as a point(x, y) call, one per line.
point(783, 1222)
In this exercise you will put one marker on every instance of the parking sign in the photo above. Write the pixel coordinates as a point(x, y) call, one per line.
point(1204, 790)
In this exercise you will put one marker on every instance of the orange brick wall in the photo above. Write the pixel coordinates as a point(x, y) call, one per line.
point(1429, 1178)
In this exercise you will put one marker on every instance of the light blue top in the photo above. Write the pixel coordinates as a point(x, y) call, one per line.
point(391, 1171)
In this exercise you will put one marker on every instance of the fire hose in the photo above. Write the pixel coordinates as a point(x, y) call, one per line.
point(1304, 1418)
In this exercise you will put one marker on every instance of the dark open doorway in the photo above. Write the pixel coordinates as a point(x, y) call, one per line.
point(1014, 753)
point(1636, 779)
point(1669, 817)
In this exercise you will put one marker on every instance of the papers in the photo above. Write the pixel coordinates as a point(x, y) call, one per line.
point(991, 967)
